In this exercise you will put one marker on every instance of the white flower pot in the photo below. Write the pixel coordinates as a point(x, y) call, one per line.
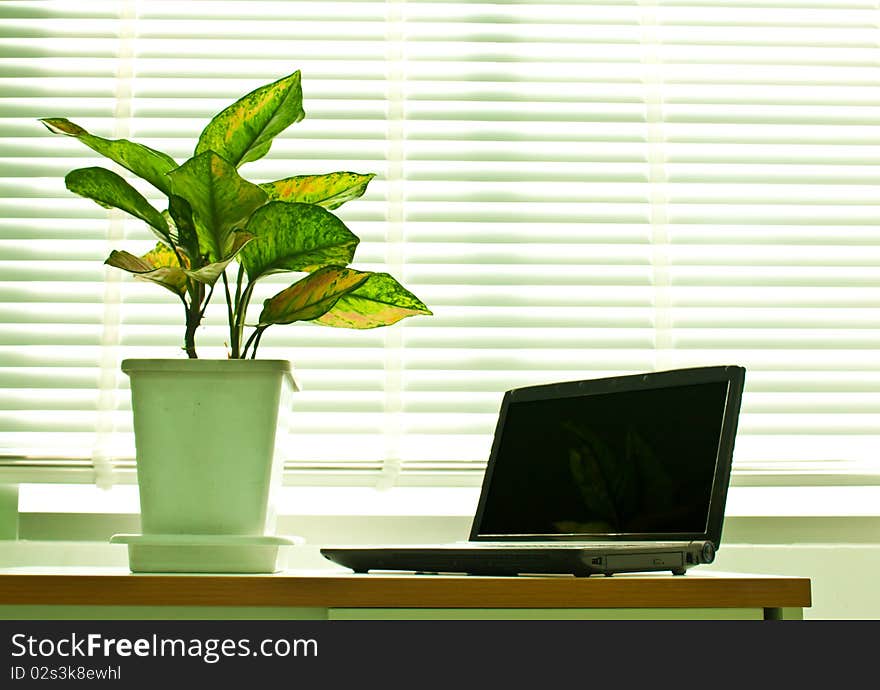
point(207, 434)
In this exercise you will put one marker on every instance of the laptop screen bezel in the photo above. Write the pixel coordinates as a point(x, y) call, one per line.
point(733, 376)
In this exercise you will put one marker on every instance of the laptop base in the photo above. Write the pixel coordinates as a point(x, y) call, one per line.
point(512, 561)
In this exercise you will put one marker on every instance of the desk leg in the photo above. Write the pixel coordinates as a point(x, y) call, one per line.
point(783, 614)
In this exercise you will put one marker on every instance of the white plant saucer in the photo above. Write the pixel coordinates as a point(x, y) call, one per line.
point(205, 553)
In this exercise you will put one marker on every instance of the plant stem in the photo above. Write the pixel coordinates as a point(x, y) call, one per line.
point(194, 313)
point(206, 302)
point(257, 341)
point(233, 326)
point(230, 316)
point(189, 338)
point(248, 343)
point(189, 345)
point(241, 312)
point(239, 280)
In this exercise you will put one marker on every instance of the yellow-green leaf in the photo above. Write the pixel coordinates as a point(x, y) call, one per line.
point(296, 237)
point(221, 201)
point(111, 191)
point(312, 296)
point(146, 163)
point(330, 191)
point(211, 272)
point(159, 266)
point(379, 301)
point(244, 131)
point(162, 256)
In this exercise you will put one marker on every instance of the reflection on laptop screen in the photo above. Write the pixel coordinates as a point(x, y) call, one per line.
point(635, 462)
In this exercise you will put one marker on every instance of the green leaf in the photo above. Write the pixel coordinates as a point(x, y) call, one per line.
point(244, 131)
point(379, 301)
point(181, 226)
point(146, 163)
point(111, 191)
point(296, 237)
point(221, 201)
point(329, 191)
point(312, 296)
point(159, 266)
point(211, 272)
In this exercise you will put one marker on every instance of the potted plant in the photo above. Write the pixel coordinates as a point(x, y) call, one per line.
point(206, 430)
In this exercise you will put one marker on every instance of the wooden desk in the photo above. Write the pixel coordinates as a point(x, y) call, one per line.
point(31, 593)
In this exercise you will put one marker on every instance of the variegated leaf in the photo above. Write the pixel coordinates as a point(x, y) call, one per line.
point(379, 301)
point(111, 191)
point(296, 237)
point(244, 131)
point(209, 273)
point(146, 163)
point(329, 191)
point(162, 256)
point(221, 201)
point(312, 296)
point(159, 266)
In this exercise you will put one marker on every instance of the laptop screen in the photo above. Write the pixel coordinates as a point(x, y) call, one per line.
point(622, 463)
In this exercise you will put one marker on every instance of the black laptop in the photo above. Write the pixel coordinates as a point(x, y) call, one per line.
point(613, 475)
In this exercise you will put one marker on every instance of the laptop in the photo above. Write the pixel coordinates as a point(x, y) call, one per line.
point(603, 476)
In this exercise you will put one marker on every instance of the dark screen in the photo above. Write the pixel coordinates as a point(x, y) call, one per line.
point(636, 462)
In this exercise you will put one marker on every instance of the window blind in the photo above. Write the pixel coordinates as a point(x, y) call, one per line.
point(576, 189)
